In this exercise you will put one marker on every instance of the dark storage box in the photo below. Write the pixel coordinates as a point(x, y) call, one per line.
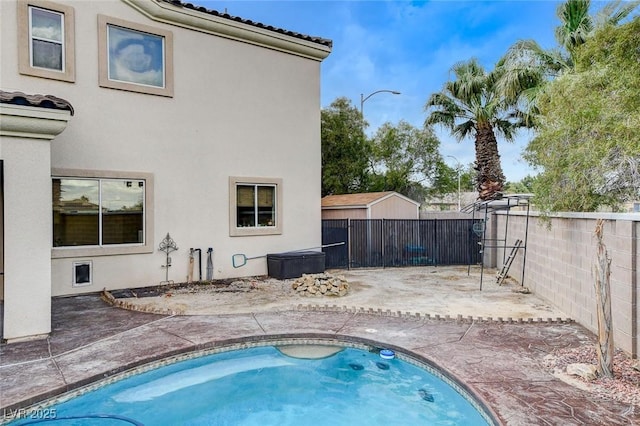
point(293, 264)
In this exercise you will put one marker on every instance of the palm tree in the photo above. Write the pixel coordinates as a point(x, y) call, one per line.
point(577, 26)
point(470, 105)
point(527, 67)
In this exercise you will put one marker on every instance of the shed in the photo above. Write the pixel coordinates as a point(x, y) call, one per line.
point(370, 205)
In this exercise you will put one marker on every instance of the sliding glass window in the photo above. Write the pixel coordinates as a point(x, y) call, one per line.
point(98, 212)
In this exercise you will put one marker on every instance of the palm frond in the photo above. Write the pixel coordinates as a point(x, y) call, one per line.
point(529, 54)
point(439, 117)
point(470, 80)
point(576, 25)
point(443, 102)
point(614, 12)
point(506, 128)
point(464, 129)
point(438, 99)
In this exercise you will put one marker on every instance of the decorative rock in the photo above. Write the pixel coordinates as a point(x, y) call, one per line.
point(586, 371)
point(318, 285)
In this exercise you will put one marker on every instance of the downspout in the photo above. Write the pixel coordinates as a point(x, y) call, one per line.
point(199, 263)
point(209, 264)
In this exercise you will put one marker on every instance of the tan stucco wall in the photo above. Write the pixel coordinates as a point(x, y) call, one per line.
point(394, 207)
point(237, 110)
point(560, 261)
point(27, 236)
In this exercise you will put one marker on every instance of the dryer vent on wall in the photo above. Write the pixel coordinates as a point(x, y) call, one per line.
point(82, 273)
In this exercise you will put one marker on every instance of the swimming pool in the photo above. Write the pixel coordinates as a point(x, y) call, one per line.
point(263, 386)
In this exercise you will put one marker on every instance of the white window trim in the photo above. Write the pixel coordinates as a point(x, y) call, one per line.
point(103, 57)
point(109, 250)
point(234, 230)
point(24, 41)
point(32, 38)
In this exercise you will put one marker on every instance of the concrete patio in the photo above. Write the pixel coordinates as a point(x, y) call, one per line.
point(501, 361)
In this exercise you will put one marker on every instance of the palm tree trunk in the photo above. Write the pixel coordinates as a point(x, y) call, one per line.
point(490, 179)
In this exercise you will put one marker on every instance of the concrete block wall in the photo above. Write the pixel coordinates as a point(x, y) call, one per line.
point(560, 262)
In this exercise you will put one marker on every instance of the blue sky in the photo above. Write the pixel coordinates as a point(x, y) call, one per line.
point(407, 46)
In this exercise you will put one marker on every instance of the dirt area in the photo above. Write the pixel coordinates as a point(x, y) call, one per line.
point(425, 290)
point(624, 386)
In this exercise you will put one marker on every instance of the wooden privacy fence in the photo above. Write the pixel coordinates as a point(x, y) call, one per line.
point(399, 242)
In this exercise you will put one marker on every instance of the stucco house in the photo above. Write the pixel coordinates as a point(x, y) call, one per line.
point(369, 205)
point(449, 202)
point(123, 121)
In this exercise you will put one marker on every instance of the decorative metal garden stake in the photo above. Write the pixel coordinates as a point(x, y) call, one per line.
point(167, 245)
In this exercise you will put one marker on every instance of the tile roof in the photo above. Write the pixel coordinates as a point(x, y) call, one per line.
point(353, 200)
point(41, 101)
point(313, 39)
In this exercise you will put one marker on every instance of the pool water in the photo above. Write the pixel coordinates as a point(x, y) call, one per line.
point(262, 386)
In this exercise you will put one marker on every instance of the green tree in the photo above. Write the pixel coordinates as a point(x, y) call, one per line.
point(523, 186)
point(527, 68)
point(404, 158)
point(577, 25)
point(446, 180)
point(345, 150)
point(588, 140)
point(471, 105)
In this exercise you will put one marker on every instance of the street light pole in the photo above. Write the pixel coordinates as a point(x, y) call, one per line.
point(458, 167)
point(364, 98)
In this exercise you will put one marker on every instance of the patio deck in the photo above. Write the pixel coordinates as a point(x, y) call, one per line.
point(500, 362)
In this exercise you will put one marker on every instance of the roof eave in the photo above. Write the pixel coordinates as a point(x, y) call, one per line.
point(198, 21)
point(345, 207)
point(32, 122)
point(384, 197)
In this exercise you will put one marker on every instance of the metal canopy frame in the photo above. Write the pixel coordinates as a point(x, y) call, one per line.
point(506, 202)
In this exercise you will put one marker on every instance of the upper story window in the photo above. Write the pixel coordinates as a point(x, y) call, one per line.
point(135, 57)
point(255, 206)
point(46, 40)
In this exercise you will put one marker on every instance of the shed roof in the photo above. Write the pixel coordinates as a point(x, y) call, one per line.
point(361, 200)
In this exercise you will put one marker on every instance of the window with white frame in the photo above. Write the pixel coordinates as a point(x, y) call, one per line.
point(255, 206)
point(135, 57)
point(98, 212)
point(46, 40)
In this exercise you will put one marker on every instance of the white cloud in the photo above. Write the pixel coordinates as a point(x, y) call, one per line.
point(47, 33)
